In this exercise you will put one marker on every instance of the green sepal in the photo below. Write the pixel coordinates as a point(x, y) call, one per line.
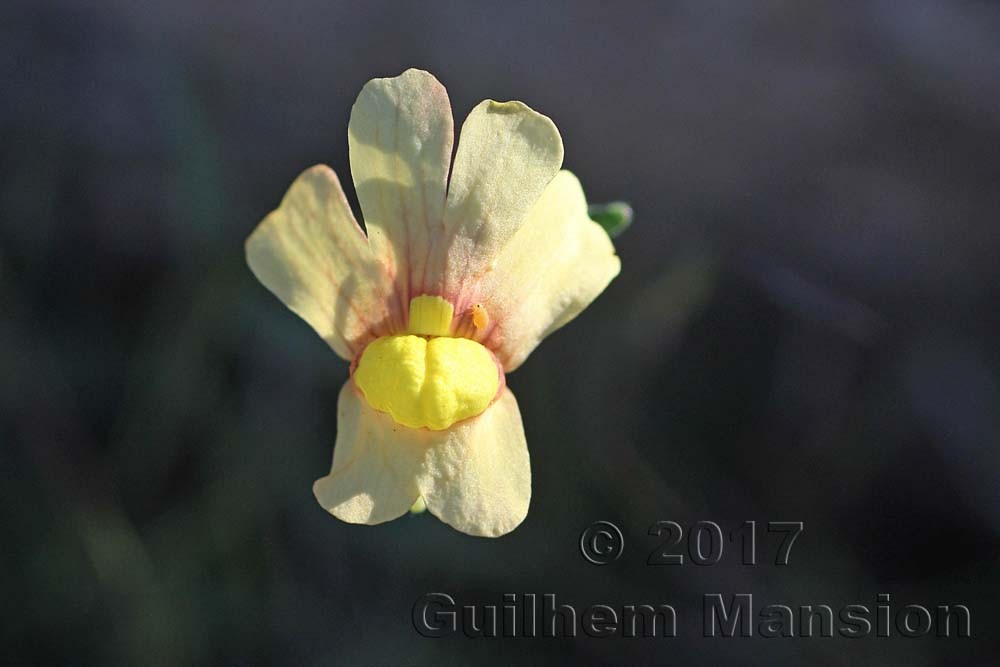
point(615, 217)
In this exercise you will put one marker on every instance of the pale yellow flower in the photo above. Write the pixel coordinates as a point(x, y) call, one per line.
point(455, 283)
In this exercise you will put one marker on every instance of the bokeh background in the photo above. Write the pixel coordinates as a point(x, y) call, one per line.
point(805, 327)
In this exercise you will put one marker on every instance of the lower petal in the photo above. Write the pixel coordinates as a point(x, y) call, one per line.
point(375, 464)
point(476, 476)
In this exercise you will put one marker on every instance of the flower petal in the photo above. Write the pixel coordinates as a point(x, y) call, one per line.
point(375, 464)
point(556, 264)
point(476, 476)
point(400, 137)
point(311, 253)
point(506, 156)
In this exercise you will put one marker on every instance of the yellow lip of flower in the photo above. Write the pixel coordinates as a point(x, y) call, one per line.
point(427, 383)
point(425, 378)
point(464, 266)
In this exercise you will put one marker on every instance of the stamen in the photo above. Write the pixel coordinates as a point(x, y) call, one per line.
point(480, 318)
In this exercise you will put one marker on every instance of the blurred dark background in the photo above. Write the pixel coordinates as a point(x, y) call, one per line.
point(804, 328)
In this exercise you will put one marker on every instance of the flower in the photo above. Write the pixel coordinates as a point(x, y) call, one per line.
point(455, 283)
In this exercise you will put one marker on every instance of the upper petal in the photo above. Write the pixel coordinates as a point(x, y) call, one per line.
point(311, 253)
point(556, 264)
point(507, 155)
point(375, 464)
point(476, 476)
point(400, 137)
